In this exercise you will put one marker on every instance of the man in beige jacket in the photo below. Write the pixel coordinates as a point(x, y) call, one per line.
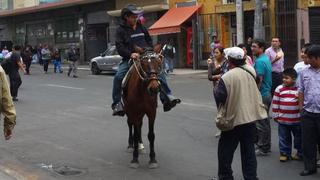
point(6, 106)
point(238, 93)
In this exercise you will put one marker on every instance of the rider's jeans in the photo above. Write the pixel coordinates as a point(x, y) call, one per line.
point(117, 82)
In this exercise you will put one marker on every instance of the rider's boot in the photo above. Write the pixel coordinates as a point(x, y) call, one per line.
point(118, 109)
point(170, 103)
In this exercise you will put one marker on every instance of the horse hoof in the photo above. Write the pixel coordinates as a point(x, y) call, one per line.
point(153, 165)
point(134, 165)
point(130, 150)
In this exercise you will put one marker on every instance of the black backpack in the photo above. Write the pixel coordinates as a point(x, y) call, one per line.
point(7, 65)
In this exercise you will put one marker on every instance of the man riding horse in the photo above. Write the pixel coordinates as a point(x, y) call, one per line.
point(131, 38)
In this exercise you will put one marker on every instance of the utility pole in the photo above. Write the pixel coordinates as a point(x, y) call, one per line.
point(239, 14)
point(258, 26)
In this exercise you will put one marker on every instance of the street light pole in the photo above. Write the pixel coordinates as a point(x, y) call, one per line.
point(258, 26)
point(239, 14)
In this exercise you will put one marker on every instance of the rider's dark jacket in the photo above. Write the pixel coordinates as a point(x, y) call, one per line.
point(127, 37)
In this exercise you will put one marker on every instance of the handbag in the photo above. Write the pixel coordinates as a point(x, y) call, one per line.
point(221, 120)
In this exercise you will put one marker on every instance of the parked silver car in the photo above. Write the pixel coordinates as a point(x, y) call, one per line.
point(107, 61)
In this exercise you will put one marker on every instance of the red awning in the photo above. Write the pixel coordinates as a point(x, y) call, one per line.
point(171, 21)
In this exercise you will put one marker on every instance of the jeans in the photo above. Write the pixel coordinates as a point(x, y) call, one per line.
point(15, 83)
point(168, 64)
point(285, 138)
point(117, 82)
point(228, 142)
point(264, 129)
point(310, 125)
point(57, 66)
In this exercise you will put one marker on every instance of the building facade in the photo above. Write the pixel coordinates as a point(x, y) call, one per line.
point(58, 23)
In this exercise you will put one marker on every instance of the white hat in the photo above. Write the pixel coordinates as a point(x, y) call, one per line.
point(234, 52)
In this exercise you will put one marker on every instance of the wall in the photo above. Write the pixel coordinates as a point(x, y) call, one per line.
point(24, 3)
point(123, 3)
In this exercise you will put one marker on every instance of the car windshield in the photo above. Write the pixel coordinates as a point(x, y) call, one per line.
point(110, 51)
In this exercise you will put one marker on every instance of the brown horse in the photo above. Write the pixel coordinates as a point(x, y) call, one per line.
point(140, 99)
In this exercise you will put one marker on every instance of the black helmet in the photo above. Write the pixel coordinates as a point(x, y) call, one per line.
point(130, 9)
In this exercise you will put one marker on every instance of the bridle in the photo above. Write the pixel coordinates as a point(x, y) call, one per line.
point(149, 57)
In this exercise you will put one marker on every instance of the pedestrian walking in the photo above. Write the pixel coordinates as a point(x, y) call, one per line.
point(285, 111)
point(276, 57)
point(248, 47)
point(309, 101)
point(4, 51)
point(26, 55)
point(72, 59)
point(14, 76)
point(46, 57)
point(6, 106)
point(57, 61)
point(239, 106)
point(217, 66)
point(169, 52)
point(38, 49)
point(264, 80)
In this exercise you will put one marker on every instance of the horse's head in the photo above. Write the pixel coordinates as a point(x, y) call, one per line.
point(151, 67)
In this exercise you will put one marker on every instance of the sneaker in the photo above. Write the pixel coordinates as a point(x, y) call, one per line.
point(259, 152)
point(284, 158)
point(218, 134)
point(74, 76)
point(296, 157)
point(15, 99)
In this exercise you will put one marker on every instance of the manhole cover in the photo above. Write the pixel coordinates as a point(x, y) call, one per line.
point(67, 171)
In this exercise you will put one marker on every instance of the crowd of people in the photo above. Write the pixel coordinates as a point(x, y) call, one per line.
point(21, 58)
point(288, 96)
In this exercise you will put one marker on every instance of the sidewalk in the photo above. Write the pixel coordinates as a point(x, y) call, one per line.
point(179, 71)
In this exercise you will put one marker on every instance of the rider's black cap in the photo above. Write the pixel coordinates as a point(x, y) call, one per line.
point(131, 9)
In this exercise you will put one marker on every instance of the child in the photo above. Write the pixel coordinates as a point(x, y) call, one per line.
point(57, 61)
point(285, 109)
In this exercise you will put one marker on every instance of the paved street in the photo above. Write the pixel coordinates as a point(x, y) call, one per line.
point(67, 122)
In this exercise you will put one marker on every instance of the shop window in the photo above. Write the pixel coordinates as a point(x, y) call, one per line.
point(67, 30)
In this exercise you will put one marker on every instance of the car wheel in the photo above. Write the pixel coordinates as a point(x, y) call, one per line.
point(95, 69)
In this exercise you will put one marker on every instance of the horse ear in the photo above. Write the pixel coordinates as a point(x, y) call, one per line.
point(138, 49)
point(157, 48)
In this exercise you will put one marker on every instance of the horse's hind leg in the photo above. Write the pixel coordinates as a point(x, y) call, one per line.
point(153, 162)
point(136, 135)
point(130, 139)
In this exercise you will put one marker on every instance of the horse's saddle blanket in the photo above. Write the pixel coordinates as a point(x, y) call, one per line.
point(127, 76)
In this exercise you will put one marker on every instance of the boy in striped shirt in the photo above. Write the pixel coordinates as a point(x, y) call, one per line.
point(285, 110)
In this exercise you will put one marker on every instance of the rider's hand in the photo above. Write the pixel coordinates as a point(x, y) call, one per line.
point(135, 56)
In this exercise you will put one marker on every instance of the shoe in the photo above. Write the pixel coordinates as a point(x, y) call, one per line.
point(74, 76)
point(14, 99)
point(261, 153)
point(284, 158)
point(118, 109)
point(296, 157)
point(308, 172)
point(61, 71)
point(173, 102)
point(68, 74)
point(318, 163)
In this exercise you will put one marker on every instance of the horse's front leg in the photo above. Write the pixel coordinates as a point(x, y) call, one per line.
point(130, 139)
point(151, 136)
point(136, 135)
point(141, 146)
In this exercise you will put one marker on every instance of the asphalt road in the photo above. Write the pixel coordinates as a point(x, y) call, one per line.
point(65, 124)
